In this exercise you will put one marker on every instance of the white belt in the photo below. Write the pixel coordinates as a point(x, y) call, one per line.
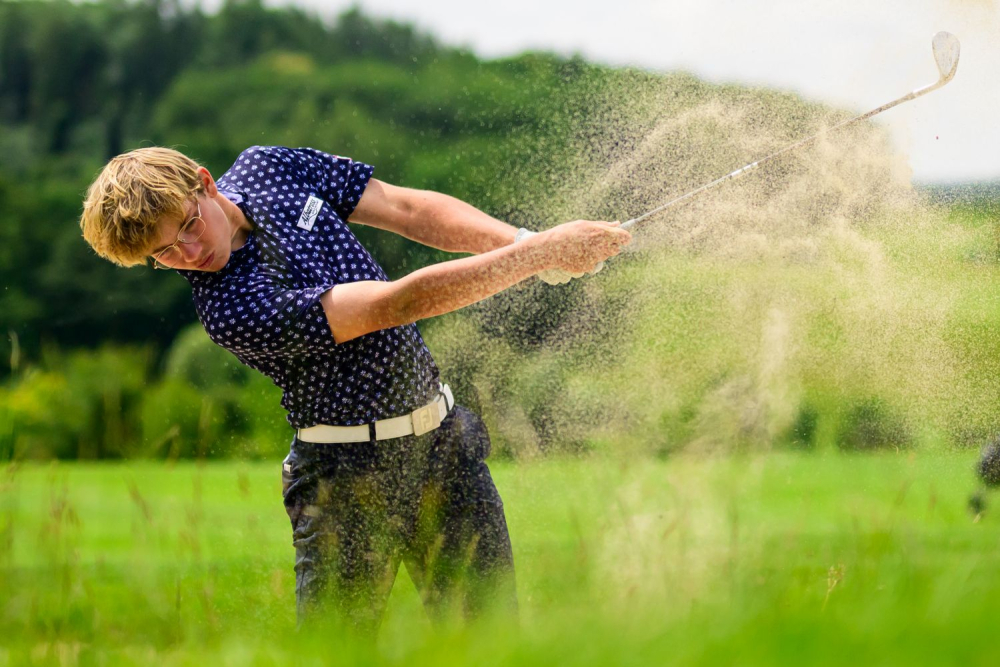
point(418, 422)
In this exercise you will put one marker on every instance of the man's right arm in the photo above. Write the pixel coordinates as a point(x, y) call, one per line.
point(355, 309)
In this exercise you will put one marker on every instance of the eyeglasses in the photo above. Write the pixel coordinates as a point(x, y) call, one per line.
point(189, 232)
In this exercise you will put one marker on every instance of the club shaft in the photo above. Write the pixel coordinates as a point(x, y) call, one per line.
point(787, 149)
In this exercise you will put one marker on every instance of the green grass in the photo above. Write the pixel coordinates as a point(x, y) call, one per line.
point(769, 559)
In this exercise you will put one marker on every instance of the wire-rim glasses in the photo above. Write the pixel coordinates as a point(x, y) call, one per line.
point(190, 232)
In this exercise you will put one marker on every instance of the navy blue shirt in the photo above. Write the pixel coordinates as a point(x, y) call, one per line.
point(263, 306)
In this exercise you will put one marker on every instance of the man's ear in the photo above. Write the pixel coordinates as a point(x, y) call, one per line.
point(207, 182)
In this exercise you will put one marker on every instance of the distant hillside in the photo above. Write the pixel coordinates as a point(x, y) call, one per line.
point(964, 193)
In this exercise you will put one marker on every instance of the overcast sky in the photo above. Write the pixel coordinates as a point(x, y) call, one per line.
point(857, 54)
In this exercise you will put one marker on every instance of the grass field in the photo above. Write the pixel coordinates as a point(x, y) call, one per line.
point(778, 558)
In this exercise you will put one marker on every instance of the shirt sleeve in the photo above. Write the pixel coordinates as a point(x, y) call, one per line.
point(342, 180)
point(294, 321)
point(282, 321)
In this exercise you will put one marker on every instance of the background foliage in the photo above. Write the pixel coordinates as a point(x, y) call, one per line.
point(99, 362)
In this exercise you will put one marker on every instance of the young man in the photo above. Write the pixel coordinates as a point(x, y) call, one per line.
point(384, 468)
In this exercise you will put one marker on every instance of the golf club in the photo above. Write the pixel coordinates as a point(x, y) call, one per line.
point(946, 51)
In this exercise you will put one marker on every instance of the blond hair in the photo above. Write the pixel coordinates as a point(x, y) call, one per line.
point(131, 195)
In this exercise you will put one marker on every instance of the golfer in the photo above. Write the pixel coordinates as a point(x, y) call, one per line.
point(384, 468)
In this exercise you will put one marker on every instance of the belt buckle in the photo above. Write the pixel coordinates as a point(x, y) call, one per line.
point(426, 419)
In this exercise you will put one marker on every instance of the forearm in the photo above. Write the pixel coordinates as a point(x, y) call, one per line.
point(447, 223)
point(354, 309)
point(448, 286)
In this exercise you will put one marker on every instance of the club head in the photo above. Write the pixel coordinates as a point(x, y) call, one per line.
point(946, 52)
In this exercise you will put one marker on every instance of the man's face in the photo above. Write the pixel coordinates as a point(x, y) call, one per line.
point(208, 252)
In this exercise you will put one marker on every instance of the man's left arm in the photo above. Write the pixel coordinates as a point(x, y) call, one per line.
point(431, 218)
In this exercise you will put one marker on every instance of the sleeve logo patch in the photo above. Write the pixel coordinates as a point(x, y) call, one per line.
point(310, 212)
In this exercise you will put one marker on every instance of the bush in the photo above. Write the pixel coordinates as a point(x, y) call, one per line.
point(105, 404)
point(802, 433)
point(81, 405)
point(195, 360)
point(179, 421)
point(212, 405)
point(872, 425)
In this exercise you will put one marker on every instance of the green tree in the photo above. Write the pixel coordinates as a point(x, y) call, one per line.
point(70, 57)
point(15, 64)
point(149, 43)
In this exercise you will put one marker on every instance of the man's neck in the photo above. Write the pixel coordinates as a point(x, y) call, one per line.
point(239, 226)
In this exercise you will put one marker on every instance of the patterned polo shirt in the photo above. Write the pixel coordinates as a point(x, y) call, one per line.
point(264, 307)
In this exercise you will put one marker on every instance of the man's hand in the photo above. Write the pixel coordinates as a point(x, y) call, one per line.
point(579, 247)
point(551, 276)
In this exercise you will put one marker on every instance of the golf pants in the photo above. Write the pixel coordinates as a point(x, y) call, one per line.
point(358, 510)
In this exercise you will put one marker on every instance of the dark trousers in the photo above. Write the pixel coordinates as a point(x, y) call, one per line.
point(359, 509)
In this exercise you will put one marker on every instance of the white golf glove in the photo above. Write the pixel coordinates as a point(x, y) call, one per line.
point(553, 276)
